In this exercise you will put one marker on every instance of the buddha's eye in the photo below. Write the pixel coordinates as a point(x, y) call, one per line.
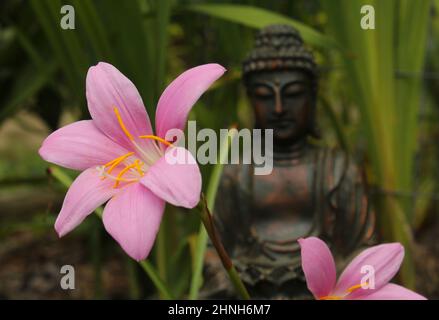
point(263, 92)
point(294, 90)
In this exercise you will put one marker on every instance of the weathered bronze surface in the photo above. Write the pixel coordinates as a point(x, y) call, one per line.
point(311, 190)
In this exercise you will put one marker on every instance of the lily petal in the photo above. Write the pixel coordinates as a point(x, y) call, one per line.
point(175, 178)
point(393, 292)
point(133, 218)
point(85, 194)
point(179, 97)
point(107, 88)
point(384, 260)
point(318, 266)
point(79, 146)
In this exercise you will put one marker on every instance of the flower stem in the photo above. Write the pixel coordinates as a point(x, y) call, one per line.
point(133, 279)
point(96, 254)
point(156, 280)
point(206, 218)
point(212, 188)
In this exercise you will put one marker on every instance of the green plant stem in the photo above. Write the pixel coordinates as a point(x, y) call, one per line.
point(162, 253)
point(96, 254)
point(135, 291)
point(149, 269)
point(156, 280)
point(197, 272)
point(207, 220)
point(202, 237)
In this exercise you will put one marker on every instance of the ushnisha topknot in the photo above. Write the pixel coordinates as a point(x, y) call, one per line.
point(279, 47)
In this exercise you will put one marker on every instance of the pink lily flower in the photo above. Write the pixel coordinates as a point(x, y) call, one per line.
point(320, 273)
point(123, 162)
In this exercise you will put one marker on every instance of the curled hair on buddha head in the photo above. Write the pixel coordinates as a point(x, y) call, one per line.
point(280, 47)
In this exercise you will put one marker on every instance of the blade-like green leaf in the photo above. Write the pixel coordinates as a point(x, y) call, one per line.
point(255, 17)
point(388, 105)
point(26, 85)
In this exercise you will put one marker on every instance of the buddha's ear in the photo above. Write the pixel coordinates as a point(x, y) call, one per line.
point(314, 129)
point(245, 82)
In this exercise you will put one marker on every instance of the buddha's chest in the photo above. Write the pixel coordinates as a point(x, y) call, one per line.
point(282, 203)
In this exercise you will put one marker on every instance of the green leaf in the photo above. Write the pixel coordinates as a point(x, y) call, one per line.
point(388, 105)
point(255, 17)
point(63, 45)
point(94, 29)
point(27, 83)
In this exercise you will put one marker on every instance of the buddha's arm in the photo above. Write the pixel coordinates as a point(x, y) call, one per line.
point(226, 211)
point(354, 218)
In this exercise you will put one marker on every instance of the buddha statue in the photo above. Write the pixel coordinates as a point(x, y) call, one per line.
point(311, 191)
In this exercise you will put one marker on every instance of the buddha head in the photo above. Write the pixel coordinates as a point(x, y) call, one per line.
point(280, 77)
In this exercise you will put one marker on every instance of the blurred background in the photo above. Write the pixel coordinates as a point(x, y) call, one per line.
point(378, 100)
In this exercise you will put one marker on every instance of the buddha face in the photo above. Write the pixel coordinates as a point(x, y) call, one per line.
point(282, 101)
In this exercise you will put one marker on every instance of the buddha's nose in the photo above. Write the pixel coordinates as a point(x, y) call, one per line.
point(278, 108)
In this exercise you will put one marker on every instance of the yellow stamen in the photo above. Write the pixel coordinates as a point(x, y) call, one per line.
point(330, 298)
point(109, 176)
point(139, 166)
point(124, 180)
point(157, 139)
point(353, 288)
point(113, 163)
point(121, 173)
point(350, 290)
point(122, 125)
point(119, 160)
point(115, 159)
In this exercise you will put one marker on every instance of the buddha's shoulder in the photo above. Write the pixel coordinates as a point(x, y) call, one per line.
point(335, 164)
point(327, 156)
point(327, 153)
